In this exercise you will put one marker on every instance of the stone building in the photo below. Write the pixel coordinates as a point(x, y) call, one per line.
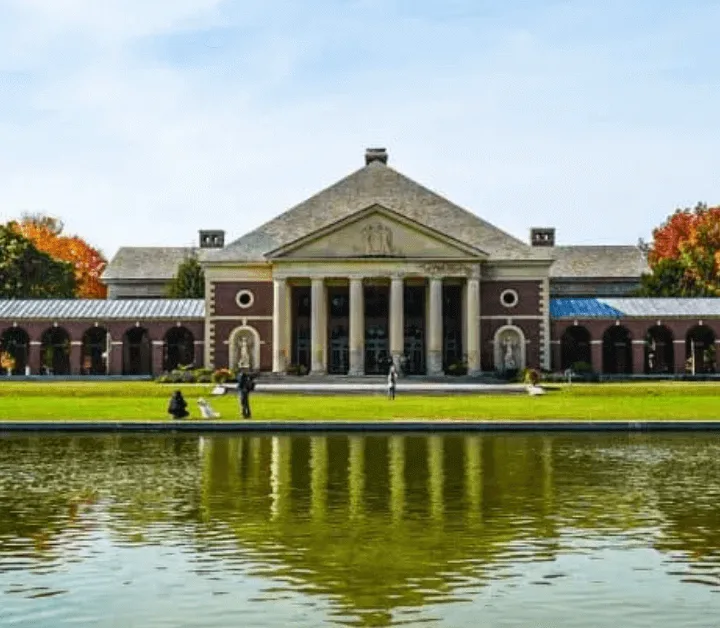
point(376, 268)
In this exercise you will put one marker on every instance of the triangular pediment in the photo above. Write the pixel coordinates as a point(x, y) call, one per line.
point(377, 232)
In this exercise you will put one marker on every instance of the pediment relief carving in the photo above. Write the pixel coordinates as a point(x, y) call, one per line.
point(378, 235)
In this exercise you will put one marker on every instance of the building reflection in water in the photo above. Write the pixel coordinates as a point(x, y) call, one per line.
point(379, 525)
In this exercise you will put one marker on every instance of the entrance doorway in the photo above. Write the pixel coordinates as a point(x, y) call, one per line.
point(338, 325)
point(414, 344)
point(377, 345)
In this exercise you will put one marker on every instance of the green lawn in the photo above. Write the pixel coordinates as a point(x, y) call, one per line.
point(148, 401)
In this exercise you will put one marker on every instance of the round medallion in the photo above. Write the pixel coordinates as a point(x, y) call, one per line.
point(244, 299)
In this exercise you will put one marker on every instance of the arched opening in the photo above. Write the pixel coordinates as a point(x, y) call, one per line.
point(659, 352)
point(575, 347)
point(617, 350)
point(244, 343)
point(94, 351)
point(55, 351)
point(16, 342)
point(137, 357)
point(700, 350)
point(179, 348)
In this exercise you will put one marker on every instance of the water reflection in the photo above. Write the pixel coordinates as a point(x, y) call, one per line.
point(359, 530)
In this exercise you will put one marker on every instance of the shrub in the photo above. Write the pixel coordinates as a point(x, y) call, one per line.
point(203, 376)
point(531, 376)
point(297, 369)
point(220, 376)
point(581, 368)
point(457, 368)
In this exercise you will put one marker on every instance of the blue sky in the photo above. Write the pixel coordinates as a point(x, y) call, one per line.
point(139, 123)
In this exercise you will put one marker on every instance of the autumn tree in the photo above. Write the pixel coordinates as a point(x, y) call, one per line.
point(46, 233)
point(189, 280)
point(28, 273)
point(684, 256)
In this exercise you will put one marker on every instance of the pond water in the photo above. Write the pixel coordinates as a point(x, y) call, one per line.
point(464, 530)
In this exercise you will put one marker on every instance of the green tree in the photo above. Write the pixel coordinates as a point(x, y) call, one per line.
point(189, 280)
point(27, 273)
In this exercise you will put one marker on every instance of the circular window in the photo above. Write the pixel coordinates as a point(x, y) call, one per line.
point(509, 298)
point(244, 298)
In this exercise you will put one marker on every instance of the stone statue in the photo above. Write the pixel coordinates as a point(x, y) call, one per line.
point(509, 361)
point(378, 239)
point(244, 361)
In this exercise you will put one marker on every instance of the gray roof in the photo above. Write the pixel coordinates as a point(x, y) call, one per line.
point(101, 309)
point(378, 184)
point(149, 262)
point(615, 261)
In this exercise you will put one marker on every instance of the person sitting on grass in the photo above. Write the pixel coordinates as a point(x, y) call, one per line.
point(206, 410)
point(178, 406)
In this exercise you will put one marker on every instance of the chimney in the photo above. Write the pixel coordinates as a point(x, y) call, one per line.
point(542, 236)
point(376, 154)
point(212, 238)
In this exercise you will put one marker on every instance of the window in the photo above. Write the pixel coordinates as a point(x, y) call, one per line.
point(244, 299)
point(509, 298)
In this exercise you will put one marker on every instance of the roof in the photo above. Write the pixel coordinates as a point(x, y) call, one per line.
point(611, 261)
point(378, 184)
point(101, 309)
point(635, 307)
point(149, 262)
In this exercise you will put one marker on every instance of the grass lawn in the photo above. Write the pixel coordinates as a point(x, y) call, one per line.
point(148, 401)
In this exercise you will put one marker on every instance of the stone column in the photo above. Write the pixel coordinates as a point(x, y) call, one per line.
point(156, 366)
point(397, 320)
point(638, 357)
point(318, 327)
point(435, 329)
point(679, 356)
point(357, 327)
point(34, 357)
point(75, 357)
point(596, 353)
point(115, 357)
point(472, 321)
point(280, 351)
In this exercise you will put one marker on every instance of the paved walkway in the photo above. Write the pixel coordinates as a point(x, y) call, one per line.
point(355, 387)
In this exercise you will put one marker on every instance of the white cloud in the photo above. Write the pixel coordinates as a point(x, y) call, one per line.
point(133, 142)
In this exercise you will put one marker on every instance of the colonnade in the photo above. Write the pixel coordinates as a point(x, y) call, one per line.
point(282, 327)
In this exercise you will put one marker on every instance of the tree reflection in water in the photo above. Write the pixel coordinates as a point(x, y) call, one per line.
point(372, 523)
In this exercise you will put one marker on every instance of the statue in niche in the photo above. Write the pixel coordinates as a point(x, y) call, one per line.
point(509, 361)
point(378, 239)
point(244, 353)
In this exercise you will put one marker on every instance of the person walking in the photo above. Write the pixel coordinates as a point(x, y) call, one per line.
point(392, 381)
point(245, 386)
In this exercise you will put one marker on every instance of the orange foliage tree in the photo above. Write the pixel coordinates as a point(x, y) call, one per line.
point(46, 233)
point(684, 256)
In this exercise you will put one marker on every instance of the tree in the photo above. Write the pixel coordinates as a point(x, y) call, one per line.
point(28, 273)
point(684, 256)
point(189, 280)
point(46, 233)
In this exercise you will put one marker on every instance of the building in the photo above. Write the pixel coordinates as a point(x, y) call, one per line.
point(374, 268)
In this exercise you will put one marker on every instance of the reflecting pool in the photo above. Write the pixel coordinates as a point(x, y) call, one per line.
point(444, 530)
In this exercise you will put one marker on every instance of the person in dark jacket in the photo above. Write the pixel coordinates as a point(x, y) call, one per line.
point(245, 386)
point(178, 406)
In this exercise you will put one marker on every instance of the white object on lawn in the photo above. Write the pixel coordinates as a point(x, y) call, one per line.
point(206, 410)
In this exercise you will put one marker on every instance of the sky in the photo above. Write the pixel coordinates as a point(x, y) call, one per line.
point(140, 122)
